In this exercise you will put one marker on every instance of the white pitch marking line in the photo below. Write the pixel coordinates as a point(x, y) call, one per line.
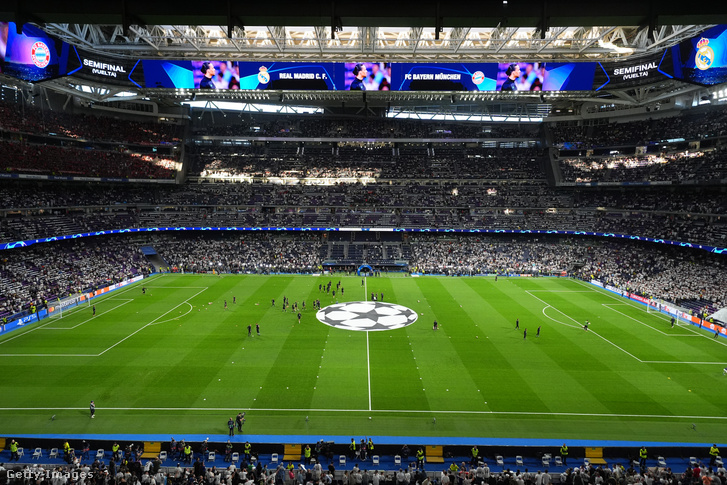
point(368, 367)
point(591, 331)
point(89, 319)
point(150, 323)
point(103, 352)
point(609, 305)
point(397, 411)
point(621, 349)
point(185, 314)
point(556, 321)
point(633, 304)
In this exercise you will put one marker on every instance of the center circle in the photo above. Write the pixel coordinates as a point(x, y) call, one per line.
point(367, 316)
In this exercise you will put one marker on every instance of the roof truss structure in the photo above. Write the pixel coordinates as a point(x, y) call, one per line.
point(375, 44)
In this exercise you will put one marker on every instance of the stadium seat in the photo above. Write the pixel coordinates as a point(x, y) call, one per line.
point(37, 454)
point(235, 457)
point(100, 454)
point(397, 460)
point(693, 461)
point(586, 461)
point(21, 452)
point(500, 460)
point(163, 456)
point(342, 460)
point(211, 456)
point(375, 459)
point(661, 461)
point(546, 460)
point(151, 449)
point(558, 461)
point(718, 461)
point(53, 453)
point(274, 458)
point(519, 460)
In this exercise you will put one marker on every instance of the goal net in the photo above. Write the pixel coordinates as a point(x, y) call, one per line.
point(58, 307)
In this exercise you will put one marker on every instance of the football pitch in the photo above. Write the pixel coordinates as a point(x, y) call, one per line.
point(174, 360)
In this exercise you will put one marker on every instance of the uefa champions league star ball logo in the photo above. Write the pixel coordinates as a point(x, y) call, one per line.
point(367, 316)
point(40, 54)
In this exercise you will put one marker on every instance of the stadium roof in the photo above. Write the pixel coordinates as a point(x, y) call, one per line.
point(401, 31)
point(397, 31)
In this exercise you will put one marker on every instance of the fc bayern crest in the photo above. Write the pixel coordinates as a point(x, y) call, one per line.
point(40, 54)
point(367, 316)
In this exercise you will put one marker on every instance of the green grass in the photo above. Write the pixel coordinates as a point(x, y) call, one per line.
point(174, 361)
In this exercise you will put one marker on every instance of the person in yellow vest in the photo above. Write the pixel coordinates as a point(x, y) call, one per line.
point(306, 454)
point(420, 458)
point(713, 454)
point(564, 454)
point(188, 454)
point(475, 456)
point(14, 451)
point(370, 446)
point(66, 448)
point(248, 451)
point(642, 457)
point(352, 449)
point(453, 468)
point(115, 449)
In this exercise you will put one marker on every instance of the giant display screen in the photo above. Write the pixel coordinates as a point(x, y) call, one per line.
point(632, 73)
point(540, 76)
point(33, 55)
point(444, 77)
point(367, 76)
point(93, 67)
point(703, 58)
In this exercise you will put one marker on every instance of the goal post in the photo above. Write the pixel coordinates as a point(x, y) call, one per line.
point(59, 306)
point(654, 305)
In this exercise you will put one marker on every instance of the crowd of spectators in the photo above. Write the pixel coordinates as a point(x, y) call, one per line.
point(50, 209)
point(361, 128)
point(679, 167)
point(690, 125)
point(24, 118)
point(245, 253)
point(331, 162)
point(27, 158)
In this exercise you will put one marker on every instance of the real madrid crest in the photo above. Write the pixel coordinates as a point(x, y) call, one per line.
point(263, 76)
point(705, 55)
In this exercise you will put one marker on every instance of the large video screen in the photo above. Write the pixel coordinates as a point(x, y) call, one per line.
point(703, 58)
point(367, 76)
point(31, 55)
point(540, 76)
point(444, 77)
point(628, 73)
point(93, 67)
